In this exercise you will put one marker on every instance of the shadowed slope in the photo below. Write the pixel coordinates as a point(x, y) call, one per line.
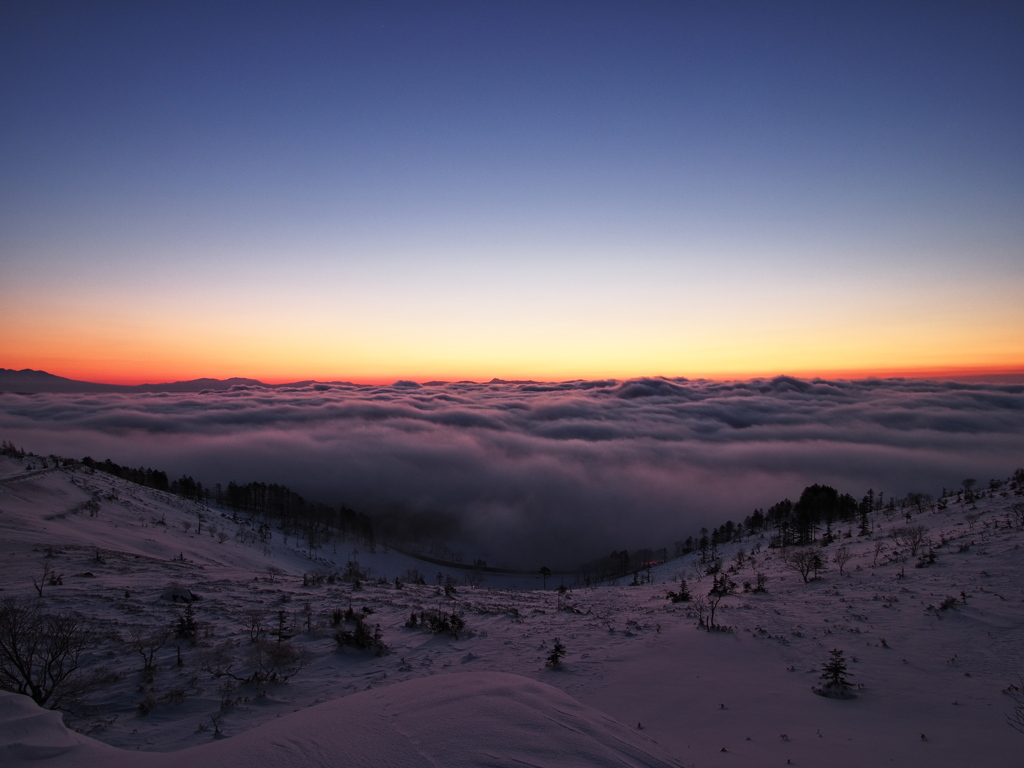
point(471, 719)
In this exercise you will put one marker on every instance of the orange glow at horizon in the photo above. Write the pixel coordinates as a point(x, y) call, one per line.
point(131, 337)
point(431, 204)
point(150, 372)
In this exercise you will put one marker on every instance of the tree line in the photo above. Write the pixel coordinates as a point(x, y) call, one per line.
point(314, 521)
point(815, 517)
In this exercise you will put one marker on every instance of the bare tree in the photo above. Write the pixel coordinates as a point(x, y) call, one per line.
point(841, 557)
point(147, 643)
point(880, 547)
point(804, 561)
point(700, 604)
point(919, 501)
point(913, 537)
point(265, 662)
point(276, 662)
point(719, 589)
point(254, 623)
point(40, 653)
point(49, 576)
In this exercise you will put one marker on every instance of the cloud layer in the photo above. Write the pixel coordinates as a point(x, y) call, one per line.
point(521, 473)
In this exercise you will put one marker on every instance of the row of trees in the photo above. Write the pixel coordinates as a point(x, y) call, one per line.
point(821, 508)
point(7, 448)
point(813, 518)
point(272, 502)
point(150, 478)
point(316, 521)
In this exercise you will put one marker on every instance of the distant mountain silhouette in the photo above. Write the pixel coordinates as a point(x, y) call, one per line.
point(28, 381)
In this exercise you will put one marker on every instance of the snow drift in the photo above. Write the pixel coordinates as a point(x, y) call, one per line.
point(468, 719)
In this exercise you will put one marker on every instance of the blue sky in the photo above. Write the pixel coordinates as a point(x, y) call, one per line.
point(606, 175)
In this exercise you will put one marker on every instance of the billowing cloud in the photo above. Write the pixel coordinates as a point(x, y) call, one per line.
point(524, 473)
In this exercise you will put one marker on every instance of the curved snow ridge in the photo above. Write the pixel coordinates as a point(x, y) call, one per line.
point(29, 733)
point(458, 720)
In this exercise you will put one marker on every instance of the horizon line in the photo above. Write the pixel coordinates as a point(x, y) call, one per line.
point(951, 372)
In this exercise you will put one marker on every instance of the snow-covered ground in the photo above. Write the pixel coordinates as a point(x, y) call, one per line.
point(641, 683)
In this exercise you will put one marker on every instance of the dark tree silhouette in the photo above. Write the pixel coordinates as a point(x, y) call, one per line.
point(39, 652)
point(834, 675)
point(545, 572)
point(683, 595)
point(721, 587)
point(557, 654)
point(804, 562)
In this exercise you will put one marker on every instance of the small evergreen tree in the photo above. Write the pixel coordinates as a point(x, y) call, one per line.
point(683, 595)
point(282, 631)
point(557, 654)
point(684, 591)
point(835, 676)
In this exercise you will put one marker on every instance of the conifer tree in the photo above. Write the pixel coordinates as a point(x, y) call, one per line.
point(557, 653)
point(834, 674)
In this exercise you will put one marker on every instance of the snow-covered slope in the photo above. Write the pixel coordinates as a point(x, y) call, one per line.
point(468, 719)
point(928, 679)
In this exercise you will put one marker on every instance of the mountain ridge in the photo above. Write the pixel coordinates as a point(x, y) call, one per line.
point(29, 381)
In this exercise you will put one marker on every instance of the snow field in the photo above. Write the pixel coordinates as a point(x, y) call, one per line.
point(642, 681)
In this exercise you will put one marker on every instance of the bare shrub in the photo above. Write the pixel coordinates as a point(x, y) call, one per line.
point(276, 662)
point(913, 537)
point(40, 653)
point(317, 577)
point(700, 605)
point(254, 624)
point(50, 577)
point(804, 561)
point(841, 557)
point(146, 643)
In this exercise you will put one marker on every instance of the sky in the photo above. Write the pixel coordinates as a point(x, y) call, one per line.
point(432, 190)
point(520, 474)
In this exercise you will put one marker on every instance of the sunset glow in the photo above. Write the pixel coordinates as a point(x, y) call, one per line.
point(477, 191)
point(488, 368)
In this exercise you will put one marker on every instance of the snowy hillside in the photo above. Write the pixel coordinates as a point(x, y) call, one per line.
point(218, 641)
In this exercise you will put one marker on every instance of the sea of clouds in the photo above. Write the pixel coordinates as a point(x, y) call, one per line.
point(524, 473)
